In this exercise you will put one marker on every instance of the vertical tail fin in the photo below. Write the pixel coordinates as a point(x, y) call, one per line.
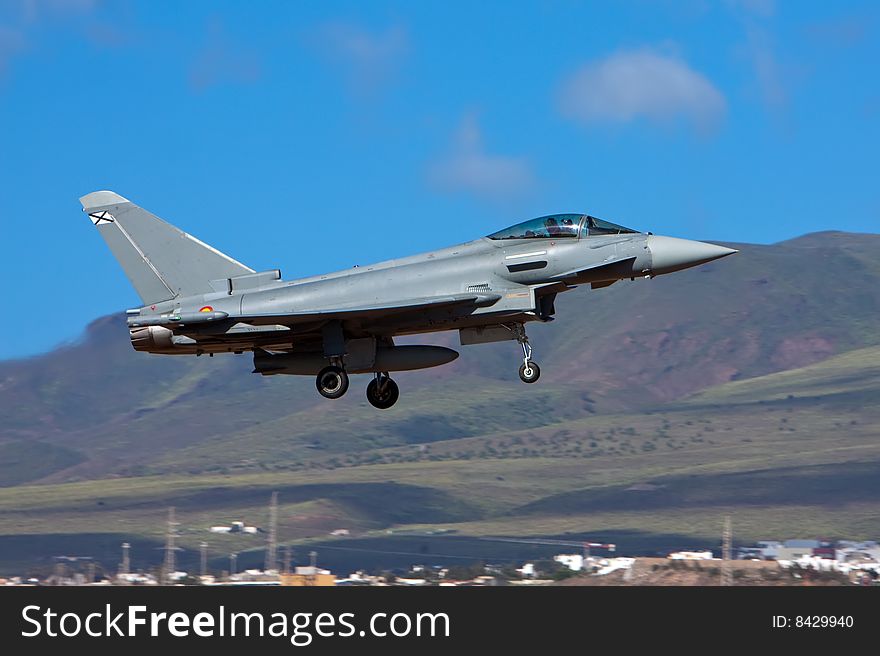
point(161, 261)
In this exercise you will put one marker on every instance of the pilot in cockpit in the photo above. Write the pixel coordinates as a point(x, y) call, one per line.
point(552, 227)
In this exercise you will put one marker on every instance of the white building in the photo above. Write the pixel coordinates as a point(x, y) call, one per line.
point(574, 562)
point(613, 564)
point(527, 570)
point(690, 555)
point(858, 552)
point(409, 581)
point(308, 570)
point(235, 527)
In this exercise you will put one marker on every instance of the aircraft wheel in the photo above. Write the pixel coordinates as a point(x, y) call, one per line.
point(529, 373)
point(332, 382)
point(384, 398)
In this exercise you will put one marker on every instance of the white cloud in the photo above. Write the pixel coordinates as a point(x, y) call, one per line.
point(22, 19)
point(11, 42)
point(844, 31)
point(368, 58)
point(768, 70)
point(763, 8)
point(772, 75)
point(35, 10)
point(222, 61)
point(469, 168)
point(641, 83)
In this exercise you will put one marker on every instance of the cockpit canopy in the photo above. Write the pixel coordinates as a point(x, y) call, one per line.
point(594, 226)
point(555, 225)
point(559, 226)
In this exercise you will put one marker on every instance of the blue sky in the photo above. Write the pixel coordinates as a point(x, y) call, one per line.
point(313, 136)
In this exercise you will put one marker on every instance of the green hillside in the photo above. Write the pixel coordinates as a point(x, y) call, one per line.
point(850, 379)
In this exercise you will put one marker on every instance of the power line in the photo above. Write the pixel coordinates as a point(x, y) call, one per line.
point(423, 556)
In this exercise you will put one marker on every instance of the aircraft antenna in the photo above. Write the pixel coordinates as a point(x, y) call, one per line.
point(726, 538)
point(272, 543)
point(288, 556)
point(169, 566)
point(125, 567)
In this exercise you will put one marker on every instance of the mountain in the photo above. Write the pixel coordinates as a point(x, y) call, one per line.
point(97, 408)
point(748, 385)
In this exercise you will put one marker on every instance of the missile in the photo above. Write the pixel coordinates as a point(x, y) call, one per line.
point(175, 319)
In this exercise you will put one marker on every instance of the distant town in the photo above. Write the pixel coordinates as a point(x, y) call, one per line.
point(789, 562)
point(768, 562)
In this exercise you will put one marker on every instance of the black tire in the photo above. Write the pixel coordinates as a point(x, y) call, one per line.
point(386, 398)
point(529, 374)
point(332, 382)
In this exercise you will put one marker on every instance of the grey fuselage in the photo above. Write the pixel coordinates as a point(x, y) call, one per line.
point(525, 273)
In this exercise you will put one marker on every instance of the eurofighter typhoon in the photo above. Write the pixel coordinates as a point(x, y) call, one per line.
point(197, 300)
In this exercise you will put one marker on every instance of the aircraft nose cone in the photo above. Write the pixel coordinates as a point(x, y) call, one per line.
point(670, 254)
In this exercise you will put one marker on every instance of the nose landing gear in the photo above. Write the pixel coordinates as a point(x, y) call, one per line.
point(382, 392)
point(529, 371)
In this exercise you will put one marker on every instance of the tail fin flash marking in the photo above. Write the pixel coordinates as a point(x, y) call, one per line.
point(101, 217)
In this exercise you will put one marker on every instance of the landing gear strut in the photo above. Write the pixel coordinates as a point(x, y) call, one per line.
point(529, 372)
point(332, 382)
point(382, 392)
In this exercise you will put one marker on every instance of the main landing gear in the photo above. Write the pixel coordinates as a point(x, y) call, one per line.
point(529, 371)
point(382, 392)
point(332, 382)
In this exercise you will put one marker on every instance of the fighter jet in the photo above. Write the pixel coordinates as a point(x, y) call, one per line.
point(197, 300)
